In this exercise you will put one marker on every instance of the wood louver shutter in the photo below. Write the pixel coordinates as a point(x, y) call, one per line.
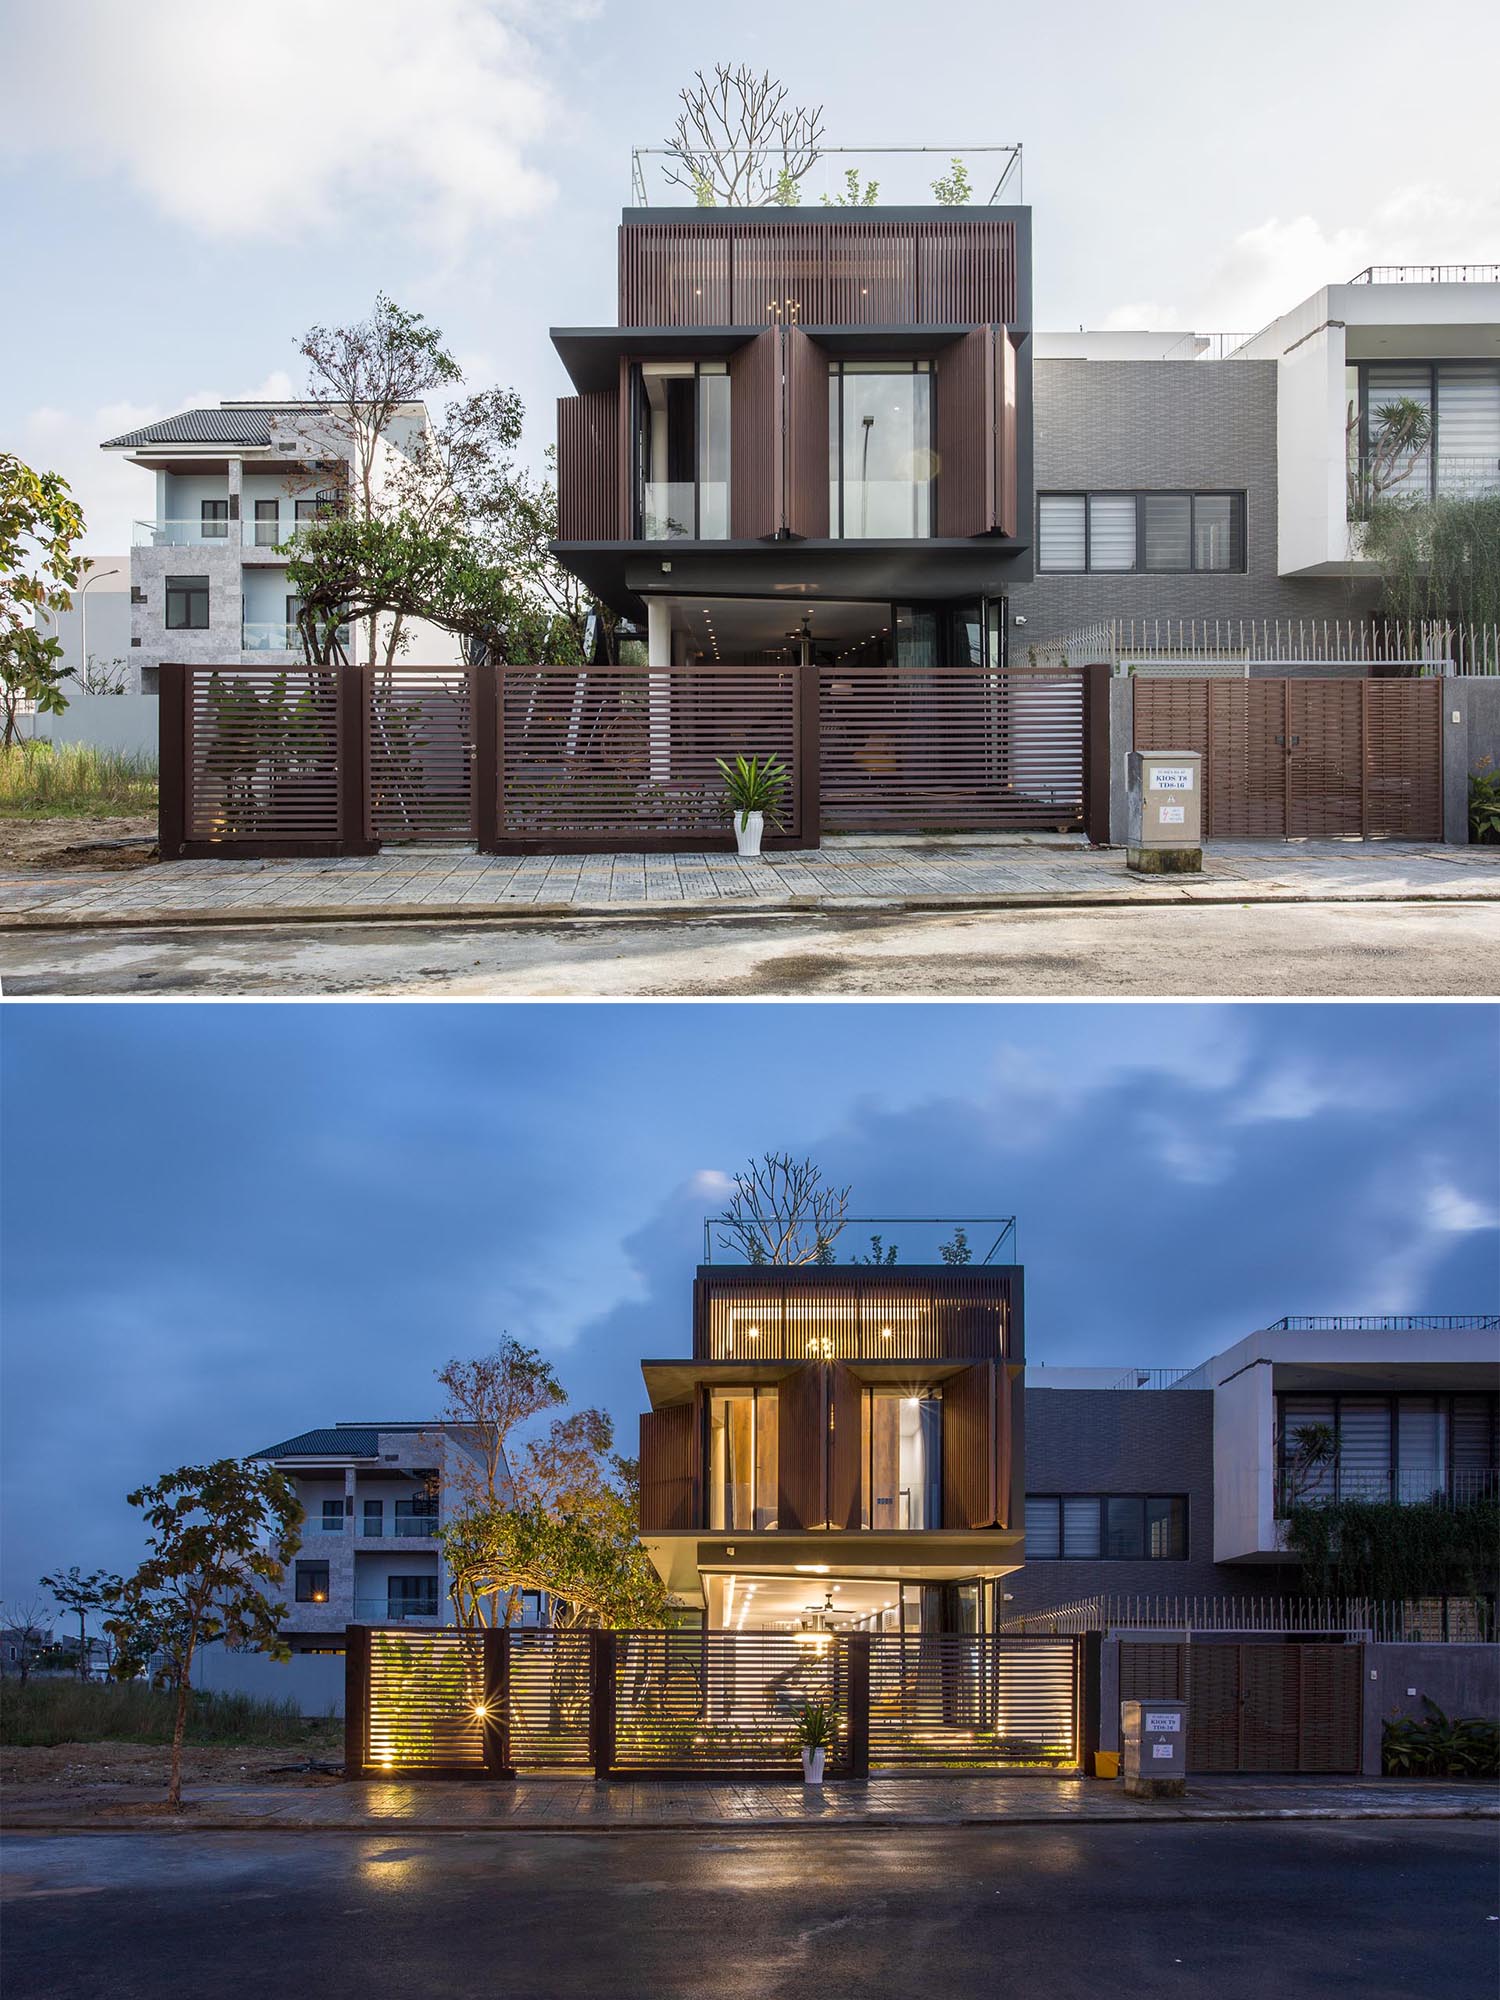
point(806, 436)
point(969, 1447)
point(588, 467)
point(965, 434)
point(1006, 510)
point(755, 441)
point(801, 1453)
point(668, 1468)
point(845, 1411)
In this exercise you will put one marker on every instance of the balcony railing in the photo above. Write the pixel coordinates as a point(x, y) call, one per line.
point(274, 637)
point(318, 1524)
point(1383, 1322)
point(1460, 1488)
point(1425, 475)
point(757, 177)
point(1427, 274)
point(381, 1611)
point(183, 534)
point(904, 1239)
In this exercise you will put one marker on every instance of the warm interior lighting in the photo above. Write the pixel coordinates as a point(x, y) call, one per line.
point(811, 1569)
point(885, 1333)
point(480, 1710)
point(752, 1333)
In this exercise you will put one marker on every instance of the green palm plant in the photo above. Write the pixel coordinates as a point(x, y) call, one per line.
point(755, 785)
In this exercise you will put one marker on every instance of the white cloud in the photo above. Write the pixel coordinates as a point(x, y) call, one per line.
point(282, 121)
point(1450, 1212)
point(1145, 315)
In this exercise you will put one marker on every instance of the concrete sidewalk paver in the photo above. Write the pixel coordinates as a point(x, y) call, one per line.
point(438, 882)
point(571, 1800)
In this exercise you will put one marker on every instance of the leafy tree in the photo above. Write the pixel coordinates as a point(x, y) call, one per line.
point(855, 195)
point(1439, 560)
point(79, 1595)
point(592, 1566)
point(40, 527)
point(489, 1400)
point(880, 1253)
point(783, 1212)
point(738, 141)
point(953, 189)
point(1399, 434)
point(216, 1534)
point(956, 1250)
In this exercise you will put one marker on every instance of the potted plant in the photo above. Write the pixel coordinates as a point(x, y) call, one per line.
point(814, 1733)
point(754, 788)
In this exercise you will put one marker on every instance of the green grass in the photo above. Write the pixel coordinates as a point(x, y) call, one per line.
point(47, 1712)
point(73, 781)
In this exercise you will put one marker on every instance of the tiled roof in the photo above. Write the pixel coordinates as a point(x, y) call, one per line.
point(337, 1440)
point(224, 426)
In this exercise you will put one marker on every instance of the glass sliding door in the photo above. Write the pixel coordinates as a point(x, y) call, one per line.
point(682, 450)
point(880, 454)
point(742, 1433)
point(904, 1434)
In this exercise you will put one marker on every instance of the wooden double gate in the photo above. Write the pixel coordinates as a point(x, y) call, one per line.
point(1291, 1706)
point(1290, 758)
point(264, 761)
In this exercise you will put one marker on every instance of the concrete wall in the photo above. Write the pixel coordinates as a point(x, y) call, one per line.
point(315, 1681)
point(1471, 733)
point(1158, 424)
point(105, 721)
point(1464, 1681)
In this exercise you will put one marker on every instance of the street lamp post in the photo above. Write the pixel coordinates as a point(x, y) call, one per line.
point(83, 619)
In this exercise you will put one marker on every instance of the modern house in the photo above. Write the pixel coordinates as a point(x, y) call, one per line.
point(834, 437)
point(842, 1450)
point(1174, 1485)
point(374, 1497)
point(233, 483)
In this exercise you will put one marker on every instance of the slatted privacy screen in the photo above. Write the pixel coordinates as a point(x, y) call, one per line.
point(720, 1700)
point(419, 746)
point(1316, 758)
point(549, 1698)
point(1282, 1707)
point(588, 467)
point(261, 755)
point(951, 747)
point(822, 273)
point(972, 1698)
point(954, 1317)
point(424, 1689)
point(612, 756)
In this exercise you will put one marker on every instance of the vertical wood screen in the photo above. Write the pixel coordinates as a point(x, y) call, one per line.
point(969, 1447)
point(845, 1472)
point(419, 733)
point(958, 1315)
point(967, 1698)
point(965, 390)
point(588, 468)
point(801, 1457)
point(1305, 758)
point(806, 436)
point(549, 1697)
point(1005, 1445)
point(424, 1687)
point(1256, 1707)
point(1007, 506)
point(755, 438)
point(847, 273)
point(669, 1468)
point(951, 747)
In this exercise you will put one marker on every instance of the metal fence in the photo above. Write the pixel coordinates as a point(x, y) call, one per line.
point(549, 1693)
point(715, 1701)
point(967, 1698)
point(1421, 1619)
point(1247, 647)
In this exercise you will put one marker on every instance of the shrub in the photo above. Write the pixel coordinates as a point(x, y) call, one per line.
point(45, 1712)
point(72, 780)
point(1433, 1746)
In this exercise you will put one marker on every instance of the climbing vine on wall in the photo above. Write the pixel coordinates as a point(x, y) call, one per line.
point(1379, 1549)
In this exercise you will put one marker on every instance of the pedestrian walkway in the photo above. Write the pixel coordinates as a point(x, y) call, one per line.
point(575, 1802)
point(434, 884)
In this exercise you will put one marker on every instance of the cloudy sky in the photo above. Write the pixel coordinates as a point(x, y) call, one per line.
point(223, 1225)
point(189, 186)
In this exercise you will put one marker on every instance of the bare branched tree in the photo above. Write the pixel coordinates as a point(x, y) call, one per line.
point(783, 1212)
point(737, 140)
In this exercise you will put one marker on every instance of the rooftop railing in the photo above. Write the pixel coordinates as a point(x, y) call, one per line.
point(1453, 1620)
point(183, 534)
point(1427, 274)
point(835, 176)
point(901, 1239)
point(1382, 1322)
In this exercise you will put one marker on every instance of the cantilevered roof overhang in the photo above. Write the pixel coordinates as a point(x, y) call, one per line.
point(669, 1382)
point(592, 354)
point(927, 1555)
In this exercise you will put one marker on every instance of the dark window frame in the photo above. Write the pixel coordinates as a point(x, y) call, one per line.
point(191, 589)
point(1238, 528)
point(916, 364)
point(273, 520)
point(1443, 1398)
point(421, 1603)
point(1434, 444)
point(307, 1573)
point(1102, 1500)
point(210, 518)
point(638, 485)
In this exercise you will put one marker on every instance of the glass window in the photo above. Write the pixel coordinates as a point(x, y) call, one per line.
point(1112, 531)
point(1421, 1446)
point(1062, 534)
point(1125, 1535)
point(187, 603)
point(880, 450)
point(312, 1583)
point(1168, 529)
point(682, 450)
point(1081, 1527)
point(1043, 1529)
point(1404, 473)
point(1166, 1530)
point(1213, 531)
point(742, 1471)
point(905, 1459)
point(215, 520)
point(374, 1517)
point(411, 1596)
point(307, 510)
point(1305, 1477)
point(1468, 428)
point(267, 523)
point(1364, 1447)
point(333, 1514)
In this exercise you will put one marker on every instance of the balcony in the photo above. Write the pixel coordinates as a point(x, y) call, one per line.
point(423, 1528)
point(183, 534)
point(749, 177)
point(1422, 477)
point(1406, 1489)
point(275, 637)
point(381, 1611)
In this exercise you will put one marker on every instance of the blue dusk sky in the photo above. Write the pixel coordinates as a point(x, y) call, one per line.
point(223, 1225)
point(189, 186)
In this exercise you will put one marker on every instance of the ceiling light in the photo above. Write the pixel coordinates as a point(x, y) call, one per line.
point(811, 1569)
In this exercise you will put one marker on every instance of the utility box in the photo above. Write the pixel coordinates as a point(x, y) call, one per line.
point(1153, 1741)
point(1164, 812)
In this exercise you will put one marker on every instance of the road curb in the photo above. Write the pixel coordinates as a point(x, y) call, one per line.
point(854, 1823)
point(479, 916)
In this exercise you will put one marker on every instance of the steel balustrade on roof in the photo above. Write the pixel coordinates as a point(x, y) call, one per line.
point(649, 168)
point(1004, 1227)
point(1383, 1322)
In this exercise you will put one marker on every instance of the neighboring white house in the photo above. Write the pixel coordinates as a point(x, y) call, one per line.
point(208, 568)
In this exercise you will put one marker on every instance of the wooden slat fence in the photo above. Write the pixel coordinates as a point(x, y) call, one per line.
point(419, 734)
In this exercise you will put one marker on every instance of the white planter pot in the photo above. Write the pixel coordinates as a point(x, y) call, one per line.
point(812, 1766)
point(748, 828)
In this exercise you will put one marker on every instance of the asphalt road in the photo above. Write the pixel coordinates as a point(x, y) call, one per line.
point(1384, 950)
point(1374, 1910)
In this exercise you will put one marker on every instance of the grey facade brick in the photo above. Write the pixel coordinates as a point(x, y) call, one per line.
point(1206, 425)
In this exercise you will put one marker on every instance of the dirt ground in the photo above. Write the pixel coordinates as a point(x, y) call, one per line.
point(76, 843)
point(78, 1767)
